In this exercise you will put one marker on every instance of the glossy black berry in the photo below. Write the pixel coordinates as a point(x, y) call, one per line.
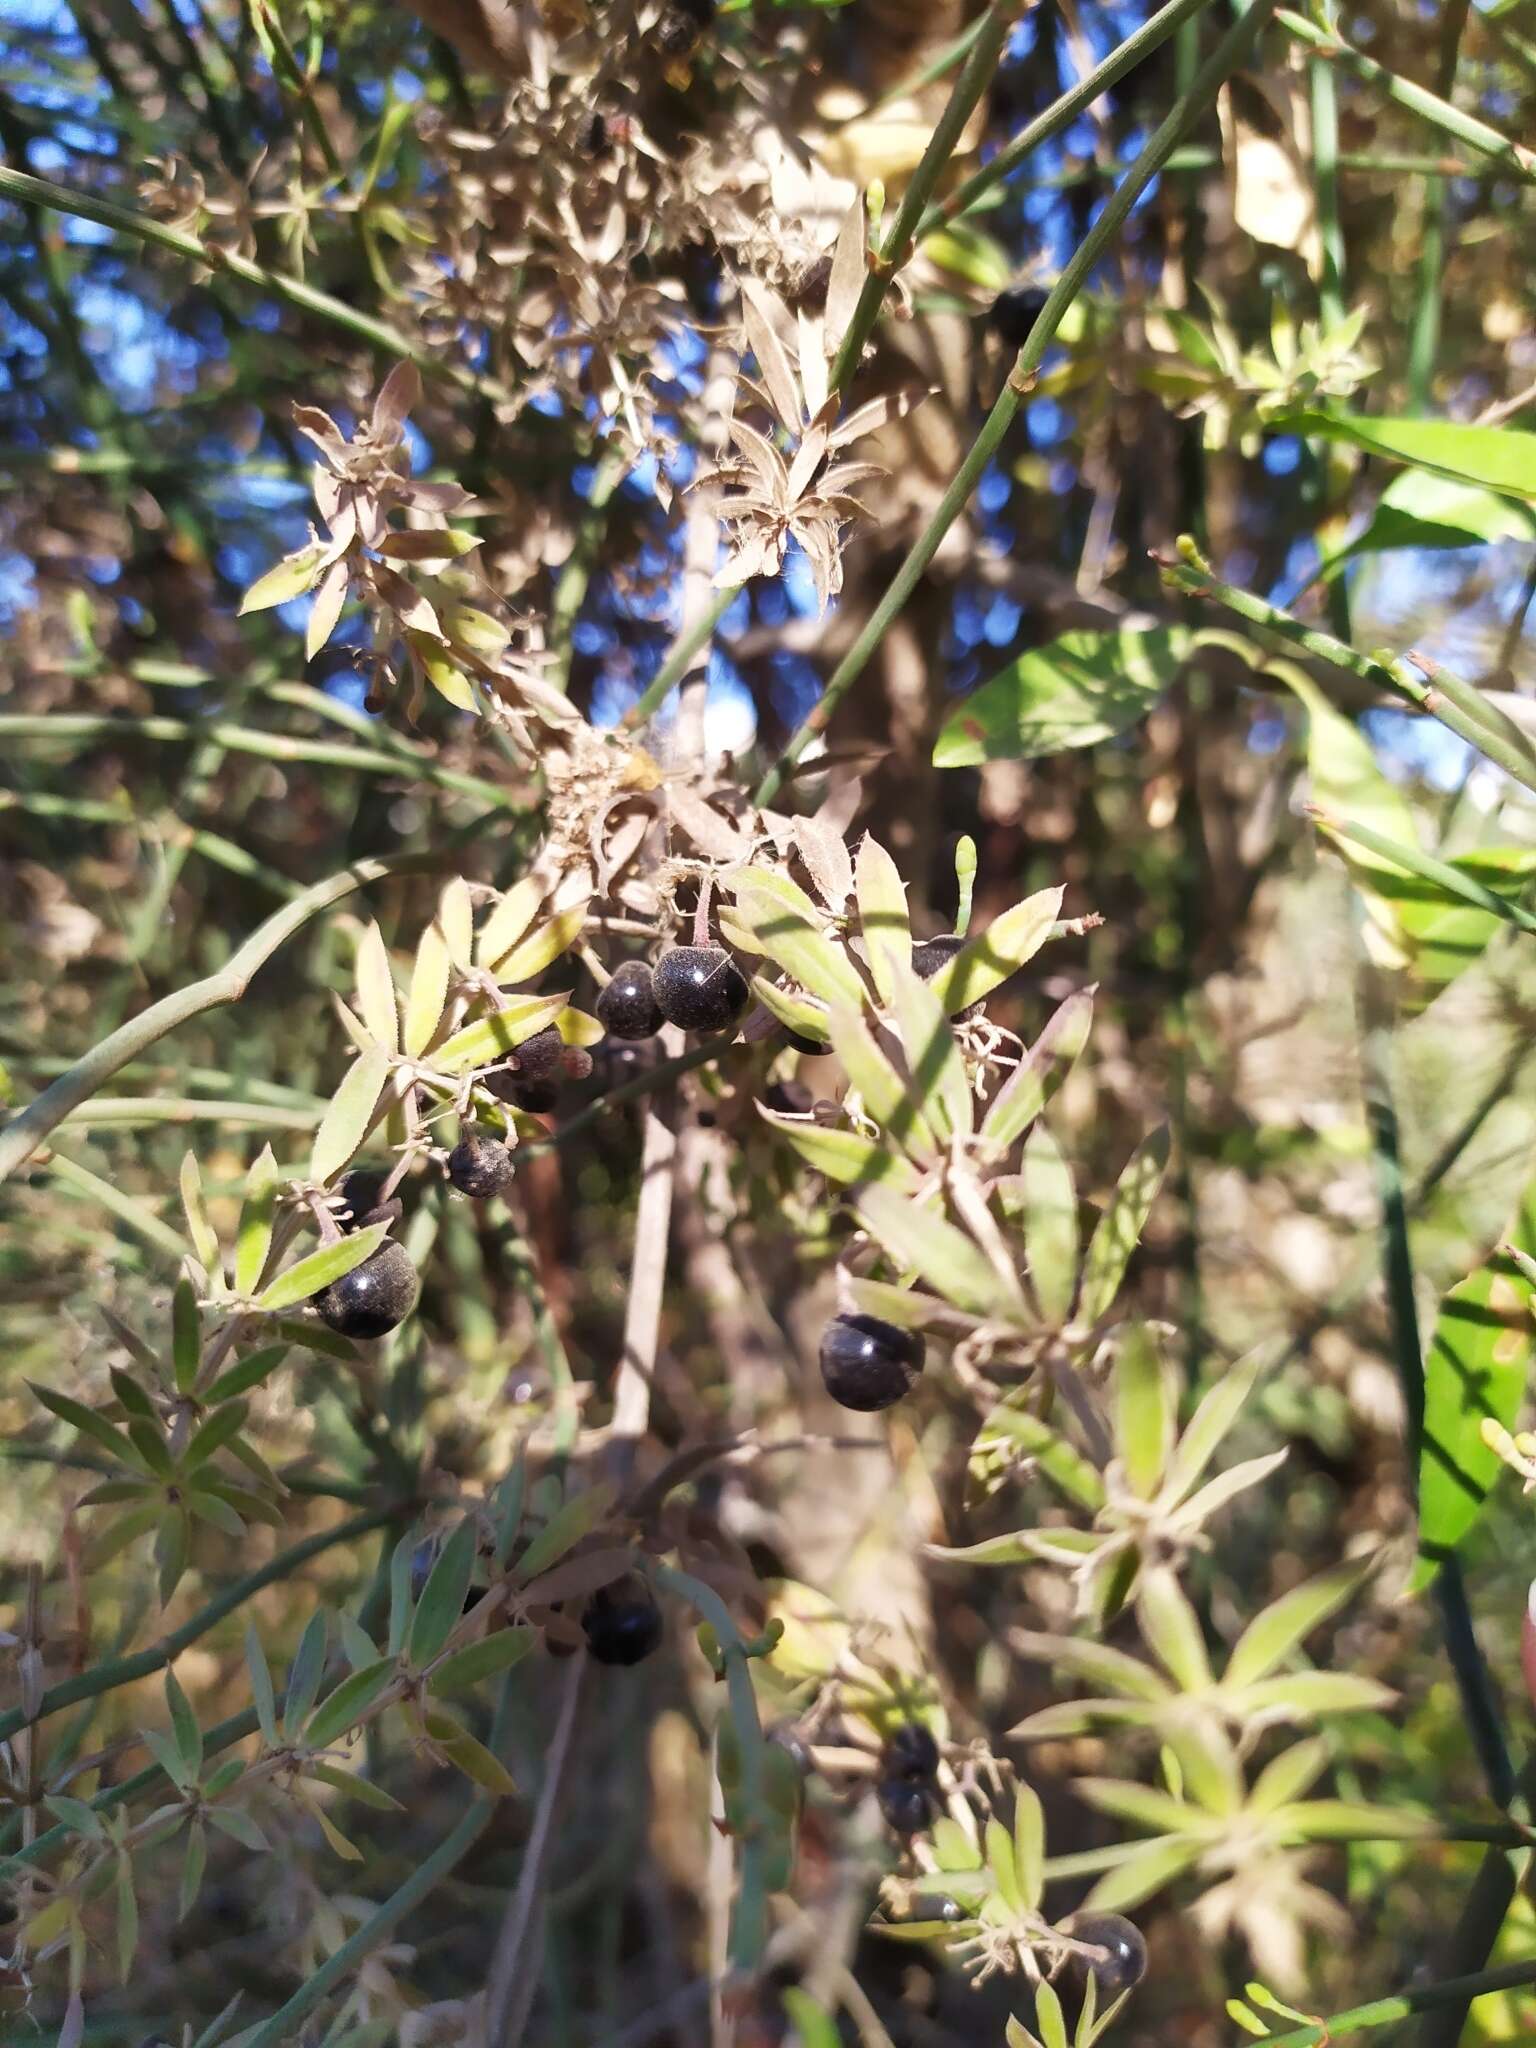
point(627, 1006)
point(1014, 313)
point(911, 1754)
point(373, 1297)
point(935, 1906)
point(1121, 1962)
point(622, 1623)
point(867, 1364)
point(905, 1808)
point(700, 988)
point(531, 1079)
point(480, 1165)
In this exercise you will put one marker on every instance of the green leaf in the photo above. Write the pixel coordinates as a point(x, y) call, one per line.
point(213, 1434)
point(203, 1236)
point(89, 1423)
point(940, 1085)
point(262, 1697)
point(1419, 509)
point(510, 1498)
point(1020, 1546)
point(248, 1372)
point(239, 1826)
point(544, 945)
point(1498, 459)
point(127, 1915)
point(1050, 1224)
point(1341, 1820)
point(506, 924)
point(349, 1115)
point(1213, 1419)
point(132, 1396)
point(377, 1004)
point(953, 1848)
point(1040, 1073)
point(788, 930)
point(286, 580)
point(1029, 1846)
point(319, 1268)
point(173, 1542)
point(352, 1786)
point(429, 989)
point(343, 1708)
point(576, 1518)
point(494, 1653)
point(1171, 1630)
point(253, 1240)
point(442, 1598)
point(965, 251)
point(1477, 1367)
point(400, 1563)
point(1096, 1663)
point(814, 2026)
point(77, 1815)
point(882, 900)
point(1303, 1695)
point(882, 1090)
point(1048, 2017)
point(1143, 1410)
point(193, 1866)
point(1139, 1876)
point(491, 1038)
point(1062, 1463)
point(1118, 1231)
point(843, 1156)
point(1007, 944)
point(469, 1756)
point(187, 1735)
point(1286, 1623)
point(186, 1336)
point(999, 1849)
point(304, 1675)
point(1144, 1806)
point(793, 1010)
point(945, 1257)
point(1073, 692)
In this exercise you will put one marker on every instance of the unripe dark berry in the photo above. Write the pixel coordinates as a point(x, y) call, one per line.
point(374, 1297)
point(1121, 1963)
point(905, 1808)
point(911, 1754)
point(867, 1364)
point(540, 1058)
point(1015, 312)
point(480, 1165)
point(533, 1082)
point(622, 1623)
point(627, 1006)
point(700, 988)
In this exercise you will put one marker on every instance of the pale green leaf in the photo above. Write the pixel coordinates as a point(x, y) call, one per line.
point(943, 1256)
point(1118, 1231)
point(428, 990)
point(1007, 944)
point(940, 1085)
point(1076, 690)
point(349, 1115)
point(882, 1090)
point(1272, 1635)
point(284, 581)
point(204, 1238)
point(882, 900)
point(788, 929)
point(1040, 1073)
point(843, 1156)
point(298, 1282)
point(513, 914)
point(1143, 1410)
point(1050, 1224)
point(1171, 1630)
point(253, 1239)
point(376, 1001)
point(491, 1038)
point(544, 944)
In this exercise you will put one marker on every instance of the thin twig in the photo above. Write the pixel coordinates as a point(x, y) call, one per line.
point(503, 2026)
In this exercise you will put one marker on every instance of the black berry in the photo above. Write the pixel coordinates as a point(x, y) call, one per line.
point(627, 1006)
point(540, 1058)
point(700, 988)
point(616, 1060)
point(933, 954)
point(911, 1755)
point(360, 1192)
point(1121, 1961)
point(595, 139)
point(1014, 313)
point(480, 1165)
point(531, 1079)
point(867, 1364)
point(937, 1906)
point(373, 1297)
point(622, 1623)
point(905, 1808)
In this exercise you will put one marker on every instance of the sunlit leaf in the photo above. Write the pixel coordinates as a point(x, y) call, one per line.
point(1118, 1231)
point(1007, 944)
point(1074, 691)
point(940, 1085)
point(1143, 1410)
point(284, 581)
point(945, 1257)
point(843, 1156)
point(376, 1000)
point(882, 899)
point(1286, 1623)
point(542, 947)
point(321, 1267)
point(1040, 1073)
point(788, 928)
point(1050, 1224)
point(204, 1238)
point(349, 1115)
point(253, 1239)
point(490, 1038)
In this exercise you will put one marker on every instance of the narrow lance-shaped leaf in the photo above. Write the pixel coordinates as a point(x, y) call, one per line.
point(569, 1523)
point(205, 1239)
point(507, 923)
point(1282, 1626)
point(940, 1083)
point(786, 927)
point(349, 1114)
point(1050, 1224)
point(986, 961)
point(1143, 1410)
point(882, 899)
point(1040, 1073)
point(884, 1093)
point(946, 1258)
point(428, 990)
point(320, 1268)
point(262, 1697)
point(1118, 1231)
point(843, 1156)
point(349, 1702)
point(490, 1038)
point(304, 1675)
point(253, 1239)
point(376, 1001)
point(544, 946)
point(442, 1599)
point(186, 1336)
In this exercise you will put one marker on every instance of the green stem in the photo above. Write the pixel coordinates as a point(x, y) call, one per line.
point(975, 77)
point(1153, 32)
point(1513, 157)
point(1456, 1992)
point(679, 661)
point(1424, 342)
point(21, 185)
point(1457, 704)
point(137, 1215)
point(24, 1133)
point(1223, 60)
point(1444, 876)
point(240, 739)
point(144, 1663)
point(1325, 171)
point(135, 1111)
point(749, 1922)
